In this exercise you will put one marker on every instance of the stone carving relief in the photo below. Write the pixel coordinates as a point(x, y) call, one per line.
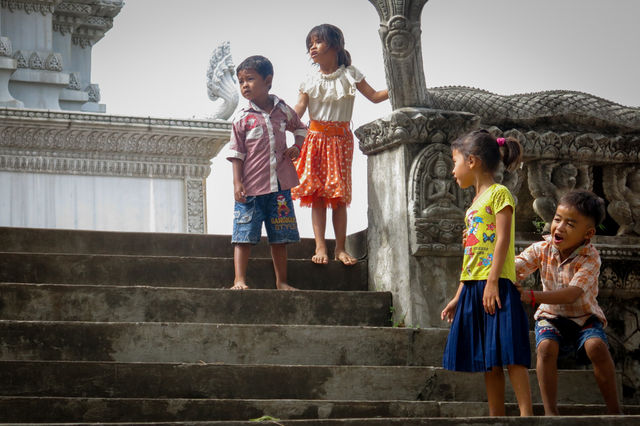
point(195, 206)
point(5, 47)
point(222, 86)
point(436, 203)
point(94, 92)
point(53, 62)
point(35, 61)
point(400, 35)
point(549, 180)
point(74, 83)
point(621, 186)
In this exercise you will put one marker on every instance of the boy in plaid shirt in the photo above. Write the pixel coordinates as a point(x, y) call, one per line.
point(569, 319)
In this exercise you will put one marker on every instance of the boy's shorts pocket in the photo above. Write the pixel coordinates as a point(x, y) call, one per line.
point(243, 212)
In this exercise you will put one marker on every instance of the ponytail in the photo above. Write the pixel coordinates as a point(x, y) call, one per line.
point(511, 152)
point(490, 150)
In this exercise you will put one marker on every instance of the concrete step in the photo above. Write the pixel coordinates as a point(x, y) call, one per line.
point(173, 271)
point(220, 343)
point(431, 421)
point(30, 409)
point(216, 381)
point(60, 302)
point(36, 240)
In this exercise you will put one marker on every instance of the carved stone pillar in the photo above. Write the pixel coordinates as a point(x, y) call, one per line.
point(39, 78)
point(402, 51)
point(415, 209)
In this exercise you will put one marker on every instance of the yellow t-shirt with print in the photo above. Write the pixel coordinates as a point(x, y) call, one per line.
point(480, 243)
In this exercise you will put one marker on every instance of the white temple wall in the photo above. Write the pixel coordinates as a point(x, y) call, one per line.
point(39, 200)
point(28, 31)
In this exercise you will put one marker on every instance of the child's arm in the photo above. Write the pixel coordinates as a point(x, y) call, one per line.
point(238, 187)
point(375, 96)
point(562, 296)
point(450, 310)
point(301, 106)
point(491, 296)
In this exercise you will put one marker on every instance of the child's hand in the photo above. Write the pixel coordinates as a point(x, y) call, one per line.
point(239, 193)
point(449, 311)
point(292, 152)
point(491, 298)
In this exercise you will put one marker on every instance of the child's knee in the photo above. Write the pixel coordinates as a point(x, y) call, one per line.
point(547, 351)
point(597, 350)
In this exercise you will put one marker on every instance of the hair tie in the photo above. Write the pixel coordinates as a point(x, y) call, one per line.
point(501, 141)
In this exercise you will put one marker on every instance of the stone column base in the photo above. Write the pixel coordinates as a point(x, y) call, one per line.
point(38, 89)
point(7, 67)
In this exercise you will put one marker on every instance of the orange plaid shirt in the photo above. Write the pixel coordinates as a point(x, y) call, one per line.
point(580, 269)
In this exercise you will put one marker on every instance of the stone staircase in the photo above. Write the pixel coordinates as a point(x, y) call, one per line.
point(133, 328)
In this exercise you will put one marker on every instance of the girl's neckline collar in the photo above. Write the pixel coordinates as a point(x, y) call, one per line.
point(333, 75)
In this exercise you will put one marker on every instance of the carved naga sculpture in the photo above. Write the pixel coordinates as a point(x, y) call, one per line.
point(221, 82)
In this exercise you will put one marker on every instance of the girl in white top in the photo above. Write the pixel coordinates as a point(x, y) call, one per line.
point(324, 165)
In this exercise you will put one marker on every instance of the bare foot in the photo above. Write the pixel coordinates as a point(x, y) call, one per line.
point(321, 257)
point(346, 258)
point(283, 286)
point(239, 286)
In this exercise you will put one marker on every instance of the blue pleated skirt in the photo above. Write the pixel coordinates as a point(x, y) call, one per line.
point(478, 341)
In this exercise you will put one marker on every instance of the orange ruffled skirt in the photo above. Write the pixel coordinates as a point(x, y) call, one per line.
point(324, 165)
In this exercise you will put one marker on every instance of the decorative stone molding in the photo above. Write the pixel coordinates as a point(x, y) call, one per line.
point(400, 35)
point(39, 141)
point(94, 92)
point(35, 61)
point(74, 84)
point(53, 62)
point(21, 59)
point(30, 6)
point(5, 47)
point(96, 144)
point(195, 208)
point(73, 8)
point(413, 125)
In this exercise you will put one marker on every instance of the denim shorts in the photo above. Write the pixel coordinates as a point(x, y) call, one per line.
point(275, 210)
point(569, 335)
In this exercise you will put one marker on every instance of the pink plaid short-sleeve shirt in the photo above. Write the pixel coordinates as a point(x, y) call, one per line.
point(581, 269)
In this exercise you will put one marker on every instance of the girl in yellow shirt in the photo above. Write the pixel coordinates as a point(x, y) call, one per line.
point(489, 325)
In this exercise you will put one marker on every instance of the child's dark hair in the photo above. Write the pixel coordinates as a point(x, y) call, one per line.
point(587, 203)
point(333, 36)
point(489, 150)
point(258, 63)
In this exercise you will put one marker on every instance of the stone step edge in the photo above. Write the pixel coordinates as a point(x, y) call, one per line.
point(403, 421)
point(510, 405)
point(177, 288)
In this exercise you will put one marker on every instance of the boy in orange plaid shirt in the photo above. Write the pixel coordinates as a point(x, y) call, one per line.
point(569, 319)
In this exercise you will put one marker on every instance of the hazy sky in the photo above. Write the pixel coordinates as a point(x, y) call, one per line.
point(153, 62)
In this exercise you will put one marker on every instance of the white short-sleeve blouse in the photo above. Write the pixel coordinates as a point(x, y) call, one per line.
point(331, 96)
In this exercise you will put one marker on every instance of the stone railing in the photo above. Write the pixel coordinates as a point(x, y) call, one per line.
point(148, 166)
point(415, 202)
